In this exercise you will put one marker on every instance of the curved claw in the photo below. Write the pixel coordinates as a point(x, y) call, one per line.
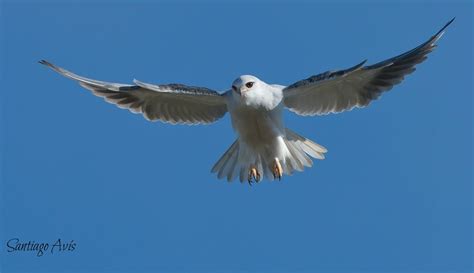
point(254, 175)
point(277, 169)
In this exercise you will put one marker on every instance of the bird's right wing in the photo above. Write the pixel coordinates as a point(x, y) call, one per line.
point(172, 103)
point(334, 92)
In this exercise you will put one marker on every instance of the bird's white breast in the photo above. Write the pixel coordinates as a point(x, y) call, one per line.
point(257, 115)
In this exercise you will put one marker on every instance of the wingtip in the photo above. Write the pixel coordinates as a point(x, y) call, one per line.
point(441, 31)
point(450, 21)
point(44, 62)
point(447, 24)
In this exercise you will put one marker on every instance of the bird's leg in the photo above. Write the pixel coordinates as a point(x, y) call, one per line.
point(277, 169)
point(253, 175)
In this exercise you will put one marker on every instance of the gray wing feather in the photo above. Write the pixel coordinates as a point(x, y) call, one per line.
point(172, 103)
point(333, 92)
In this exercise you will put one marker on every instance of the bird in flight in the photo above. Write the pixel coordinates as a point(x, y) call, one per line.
point(264, 147)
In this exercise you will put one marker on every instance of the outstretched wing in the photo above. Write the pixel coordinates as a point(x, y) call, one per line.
point(333, 92)
point(172, 103)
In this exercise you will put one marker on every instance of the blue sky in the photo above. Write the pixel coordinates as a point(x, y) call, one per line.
point(393, 195)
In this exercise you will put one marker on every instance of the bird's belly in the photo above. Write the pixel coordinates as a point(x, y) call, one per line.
point(258, 128)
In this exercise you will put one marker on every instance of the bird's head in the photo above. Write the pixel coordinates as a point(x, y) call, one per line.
point(246, 84)
point(251, 91)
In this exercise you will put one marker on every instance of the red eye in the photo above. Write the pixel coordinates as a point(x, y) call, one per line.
point(249, 84)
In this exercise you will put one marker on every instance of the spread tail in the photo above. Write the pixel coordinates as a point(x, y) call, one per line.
point(299, 148)
point(226, 164)
point(239, 158)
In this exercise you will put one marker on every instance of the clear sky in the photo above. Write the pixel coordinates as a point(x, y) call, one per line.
point(393, 195)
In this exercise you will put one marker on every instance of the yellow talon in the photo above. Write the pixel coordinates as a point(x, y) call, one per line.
point(277, 169)
point(253, 175)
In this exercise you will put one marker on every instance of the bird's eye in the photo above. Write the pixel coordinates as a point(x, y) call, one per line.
point(249, 84)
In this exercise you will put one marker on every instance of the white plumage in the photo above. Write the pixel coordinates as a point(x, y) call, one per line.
point(264, 146)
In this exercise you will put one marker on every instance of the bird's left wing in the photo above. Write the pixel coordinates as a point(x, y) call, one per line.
point(333, 92)
point(172, 103)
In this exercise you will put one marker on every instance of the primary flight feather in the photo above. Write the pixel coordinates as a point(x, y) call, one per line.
point(264, 146)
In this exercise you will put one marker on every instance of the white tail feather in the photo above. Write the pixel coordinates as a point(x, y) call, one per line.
point(238, 159)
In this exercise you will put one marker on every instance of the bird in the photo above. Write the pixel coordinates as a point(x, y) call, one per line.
point(264, 147)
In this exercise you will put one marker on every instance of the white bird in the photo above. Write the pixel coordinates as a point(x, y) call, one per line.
point(264, 146)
